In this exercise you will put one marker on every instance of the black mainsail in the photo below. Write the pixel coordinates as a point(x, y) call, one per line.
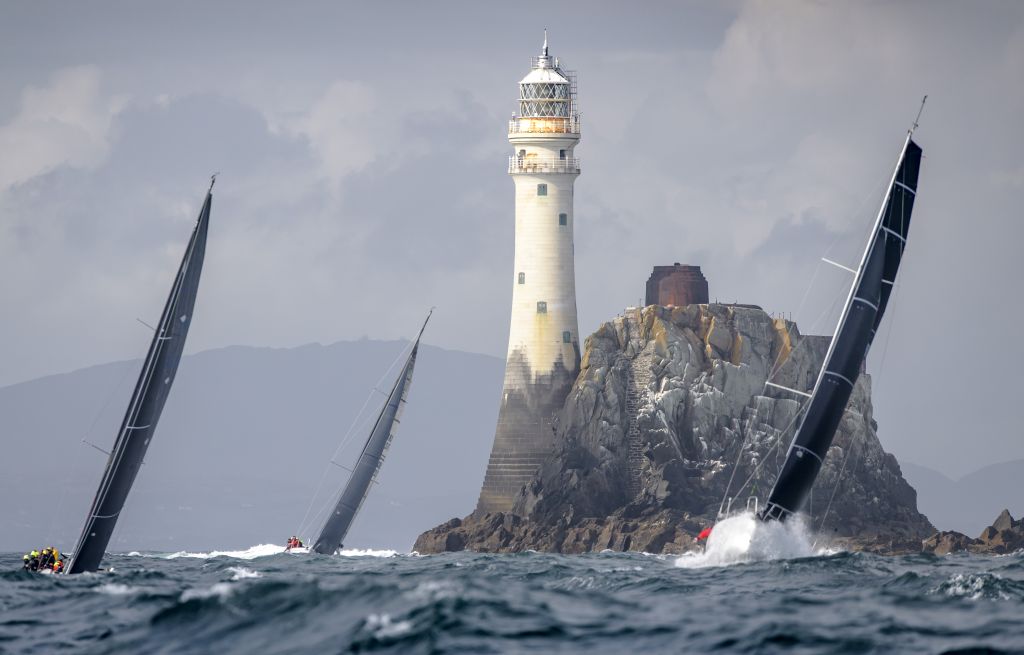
point(147, 403)
point(370, 460)
point(858, 323)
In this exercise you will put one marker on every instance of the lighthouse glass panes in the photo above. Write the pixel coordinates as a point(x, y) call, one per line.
point(545, 99)
point(543, 343)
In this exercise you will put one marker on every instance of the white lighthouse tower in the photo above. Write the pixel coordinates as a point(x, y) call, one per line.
point(543, 344)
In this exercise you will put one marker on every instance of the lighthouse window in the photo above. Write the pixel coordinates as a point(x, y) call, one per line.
point(522, 278)
point(567, 337)
point(542, 189)
point(542, 307)
point(561, 154)
point(563, 219)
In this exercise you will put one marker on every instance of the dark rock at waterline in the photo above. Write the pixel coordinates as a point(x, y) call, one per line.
point(1005, 535)
point(670, 410)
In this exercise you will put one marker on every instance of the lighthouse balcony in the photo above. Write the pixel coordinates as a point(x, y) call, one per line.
point(544, 125)
point(518, 164)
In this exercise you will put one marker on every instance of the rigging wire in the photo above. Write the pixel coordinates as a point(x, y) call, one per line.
point(776, 369)
point(881, 365)
point(111, 392)
point(307, 521)
point(779, 364)
point(839, 483)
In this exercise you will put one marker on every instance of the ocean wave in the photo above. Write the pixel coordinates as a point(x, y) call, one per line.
point(260, 550)
point(548, 603)
point(263, 550)
point(220, 590)
point(242, 573)
point(367, 552)
point(383, 627)
point(117, 589)
point(980, 586)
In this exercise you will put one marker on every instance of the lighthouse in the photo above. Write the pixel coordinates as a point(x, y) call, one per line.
point(543, 344)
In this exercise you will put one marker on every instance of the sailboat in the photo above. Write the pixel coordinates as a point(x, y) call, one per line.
point(364, 473)
point(147, 402)
point(868, 297)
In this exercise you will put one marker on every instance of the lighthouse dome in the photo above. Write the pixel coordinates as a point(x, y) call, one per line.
point(547, 90)
point(544, 76)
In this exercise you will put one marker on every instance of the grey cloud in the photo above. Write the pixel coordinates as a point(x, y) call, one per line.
point(364, 177)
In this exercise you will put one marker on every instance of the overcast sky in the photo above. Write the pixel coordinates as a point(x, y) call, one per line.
point(362, 152)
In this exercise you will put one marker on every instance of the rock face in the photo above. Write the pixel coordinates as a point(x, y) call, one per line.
point(670, 410)
point(1005, 535)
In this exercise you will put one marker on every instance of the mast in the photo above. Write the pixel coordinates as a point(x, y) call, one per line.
point(370, 460)
point(858, 323)
point(147, 402)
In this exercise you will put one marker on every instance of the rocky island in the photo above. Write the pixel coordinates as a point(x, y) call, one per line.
point(1005, 535)
point(669, 415)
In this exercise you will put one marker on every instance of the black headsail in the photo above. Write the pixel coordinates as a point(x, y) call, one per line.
point(370, 460)
point(853, 336)
point(147, 403)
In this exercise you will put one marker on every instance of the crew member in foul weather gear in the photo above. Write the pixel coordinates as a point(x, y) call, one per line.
point(703, 536)
point(58, 566)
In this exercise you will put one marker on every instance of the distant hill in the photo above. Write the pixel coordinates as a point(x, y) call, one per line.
point(969, 504)
point(245, 438)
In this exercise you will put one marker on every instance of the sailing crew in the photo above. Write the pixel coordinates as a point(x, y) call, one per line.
point(46, 558)
point(703, 536)
point(31, 561)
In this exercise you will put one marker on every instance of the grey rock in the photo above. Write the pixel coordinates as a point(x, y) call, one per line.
point(1005, 535)
point(669, 405)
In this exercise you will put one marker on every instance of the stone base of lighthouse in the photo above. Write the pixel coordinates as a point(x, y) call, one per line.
point(526, 425)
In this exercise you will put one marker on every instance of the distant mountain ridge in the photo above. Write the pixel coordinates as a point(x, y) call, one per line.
point(248, 432)
point(245, 438)
point(967, 504)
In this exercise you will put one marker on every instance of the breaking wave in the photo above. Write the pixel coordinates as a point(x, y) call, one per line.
point(367, 552)
point(242, 573)
point(743, 538)
point(263, 550)
point(978, 586)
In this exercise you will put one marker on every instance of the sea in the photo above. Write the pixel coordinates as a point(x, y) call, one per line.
point(754, 590)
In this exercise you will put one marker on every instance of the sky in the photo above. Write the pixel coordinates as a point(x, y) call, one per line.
point(362, 157)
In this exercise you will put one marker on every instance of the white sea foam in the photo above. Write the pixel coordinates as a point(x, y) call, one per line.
point(435, 590)
point(744, 538)
point(220, 590)
point(383, 627)
point(973, 586)
point(261, 550)
point(264, 550)
point(115, 589)
point(367, 552)
point(242, 573)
